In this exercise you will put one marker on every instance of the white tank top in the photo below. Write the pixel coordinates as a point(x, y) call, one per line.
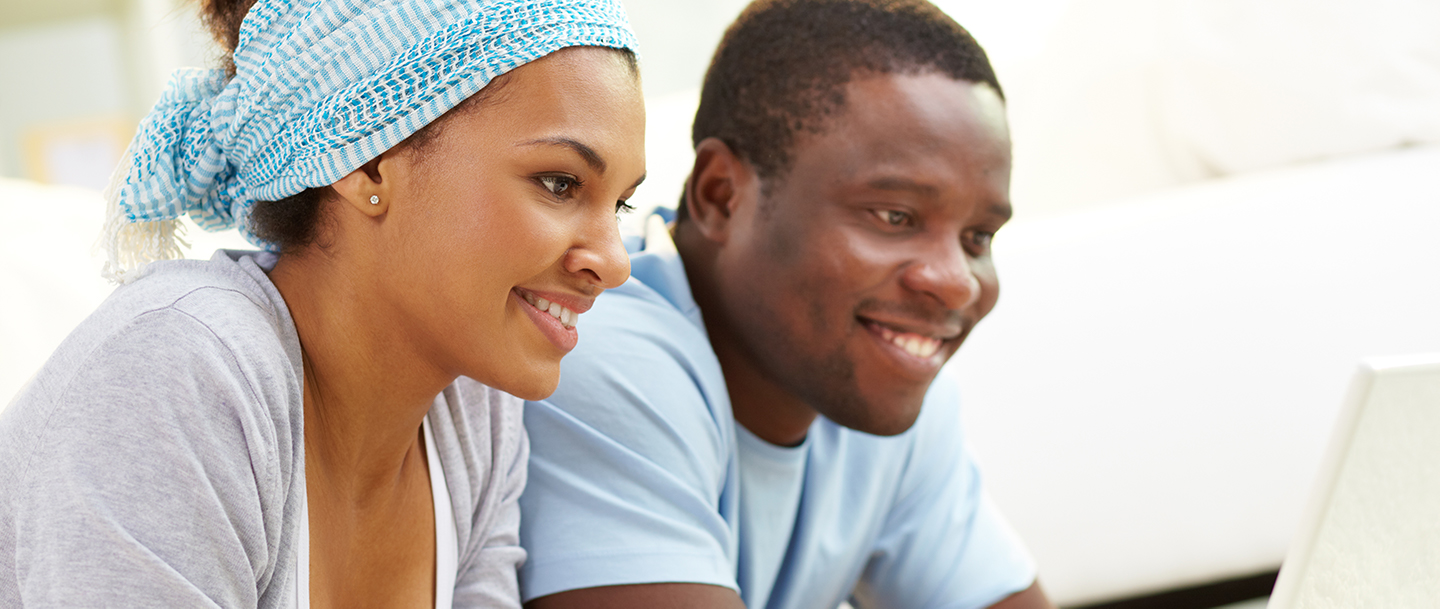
point(447, 544)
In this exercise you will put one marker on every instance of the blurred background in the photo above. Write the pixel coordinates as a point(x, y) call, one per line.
point(1222, 207)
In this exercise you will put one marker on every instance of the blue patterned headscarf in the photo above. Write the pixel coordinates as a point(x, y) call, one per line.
point(321, 87)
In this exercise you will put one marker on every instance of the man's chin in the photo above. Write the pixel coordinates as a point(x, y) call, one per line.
point(877, 419)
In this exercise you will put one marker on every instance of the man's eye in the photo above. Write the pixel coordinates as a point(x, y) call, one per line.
point(893, 217)
point(982, 241)
point(558, 185)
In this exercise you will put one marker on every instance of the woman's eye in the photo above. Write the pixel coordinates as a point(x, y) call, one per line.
point(557, 185)
point(621, 207)
point(893, 217)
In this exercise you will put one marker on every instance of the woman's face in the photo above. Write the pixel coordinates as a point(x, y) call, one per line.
point(501, 231)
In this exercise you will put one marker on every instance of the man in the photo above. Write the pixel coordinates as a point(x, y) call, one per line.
point(742, 424)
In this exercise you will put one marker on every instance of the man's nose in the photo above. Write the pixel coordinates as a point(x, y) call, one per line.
point(945, 274)
point(600, 254)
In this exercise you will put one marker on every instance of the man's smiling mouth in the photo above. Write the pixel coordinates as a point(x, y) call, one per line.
point(922, 346)
point(917, 345)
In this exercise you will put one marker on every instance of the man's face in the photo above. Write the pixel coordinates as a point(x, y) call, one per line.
point(864, 266)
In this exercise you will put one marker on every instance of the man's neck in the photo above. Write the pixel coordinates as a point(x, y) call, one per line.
point(767, 409)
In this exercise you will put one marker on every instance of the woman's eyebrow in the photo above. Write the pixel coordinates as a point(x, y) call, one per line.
point(592, 158)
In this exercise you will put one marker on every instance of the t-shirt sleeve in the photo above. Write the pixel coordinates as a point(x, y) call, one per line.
point(944, 543)
point(145, 478)
point(630, 458)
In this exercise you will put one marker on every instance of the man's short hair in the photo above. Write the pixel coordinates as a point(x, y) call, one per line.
point(782, 67)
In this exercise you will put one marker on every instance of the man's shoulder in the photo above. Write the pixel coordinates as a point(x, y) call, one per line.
point(643, 377)
point(646, 335)
point(632, 459)
point(658, 290)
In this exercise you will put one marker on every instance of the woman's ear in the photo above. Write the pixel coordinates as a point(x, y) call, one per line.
point(719, 183)
point(366, 189)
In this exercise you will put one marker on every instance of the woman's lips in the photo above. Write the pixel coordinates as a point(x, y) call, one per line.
point(566, 316)
point(554, 319)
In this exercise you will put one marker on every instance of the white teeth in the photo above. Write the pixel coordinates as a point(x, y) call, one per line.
point(916, 345)
point(566, 316)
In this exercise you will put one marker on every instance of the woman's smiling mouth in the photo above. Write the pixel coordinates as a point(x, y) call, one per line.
point(555, 320)
point(566, 316)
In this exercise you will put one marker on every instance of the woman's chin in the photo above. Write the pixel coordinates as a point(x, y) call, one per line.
point(531, 387)
point(534, 394)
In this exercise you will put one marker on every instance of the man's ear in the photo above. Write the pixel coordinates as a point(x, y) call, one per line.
point(718, 183)
point(366, 189)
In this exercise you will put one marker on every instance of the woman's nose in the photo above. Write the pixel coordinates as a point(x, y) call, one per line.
point(600, 254)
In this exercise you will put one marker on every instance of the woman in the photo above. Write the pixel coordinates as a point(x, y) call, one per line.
point(301, 428)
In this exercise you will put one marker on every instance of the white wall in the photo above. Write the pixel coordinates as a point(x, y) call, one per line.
point(160, 36)
point(1111, 99)
point(57, 74)
point(677, 38)
point(91, 78)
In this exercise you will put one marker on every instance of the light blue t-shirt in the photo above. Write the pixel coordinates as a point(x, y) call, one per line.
point(639, 474)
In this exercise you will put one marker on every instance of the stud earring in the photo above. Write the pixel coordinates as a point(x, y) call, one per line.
point(374, 199)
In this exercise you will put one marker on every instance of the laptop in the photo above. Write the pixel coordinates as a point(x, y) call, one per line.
point(1371, 534)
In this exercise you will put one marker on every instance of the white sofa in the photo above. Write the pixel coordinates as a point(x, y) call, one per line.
point(1152, 396)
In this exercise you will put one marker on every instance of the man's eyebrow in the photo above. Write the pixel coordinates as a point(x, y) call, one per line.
point(591, 157)
point(1004, 210)
point(906, 184)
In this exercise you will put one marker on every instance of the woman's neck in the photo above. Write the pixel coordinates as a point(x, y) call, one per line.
point(366, 387)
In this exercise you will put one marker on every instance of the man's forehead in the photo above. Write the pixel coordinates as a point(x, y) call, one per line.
point(923, 103)
point(898, 118)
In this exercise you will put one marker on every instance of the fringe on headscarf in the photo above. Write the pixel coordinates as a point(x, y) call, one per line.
point(130, 246)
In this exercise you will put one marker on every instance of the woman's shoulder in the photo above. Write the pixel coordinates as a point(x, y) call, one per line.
point(171, 419)
point(193, 351)
point(178, 313)
point(230, 293)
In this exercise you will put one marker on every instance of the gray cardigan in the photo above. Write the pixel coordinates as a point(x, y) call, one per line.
point(157, 459)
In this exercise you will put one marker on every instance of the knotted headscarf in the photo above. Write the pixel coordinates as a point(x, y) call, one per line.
point(321, 87)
